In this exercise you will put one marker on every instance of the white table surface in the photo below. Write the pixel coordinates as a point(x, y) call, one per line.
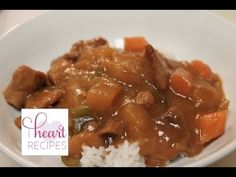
point(11, 18)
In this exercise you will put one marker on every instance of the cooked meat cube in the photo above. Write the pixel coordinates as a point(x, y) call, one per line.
point(159, 66)
point(78, 47)
point(96, 42)
point(60, 69)
point(24, 81)
point(44, 99)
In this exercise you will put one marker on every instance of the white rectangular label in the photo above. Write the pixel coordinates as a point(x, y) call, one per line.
point(44, 131)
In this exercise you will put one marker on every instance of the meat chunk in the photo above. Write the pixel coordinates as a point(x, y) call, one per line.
point(96, 42)
point(60, 69)
point(44, 99)
point(78, 47)
point(24, 81)
point(145, 98)
point(159, 66)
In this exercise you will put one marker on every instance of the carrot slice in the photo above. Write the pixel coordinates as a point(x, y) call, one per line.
point(181, 82)
point(211, 125)
point(203, 69)
point(135, 44)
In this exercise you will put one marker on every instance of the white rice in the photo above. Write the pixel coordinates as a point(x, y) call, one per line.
point(125, 155)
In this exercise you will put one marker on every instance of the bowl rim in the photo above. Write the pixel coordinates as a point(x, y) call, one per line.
point(227, 149)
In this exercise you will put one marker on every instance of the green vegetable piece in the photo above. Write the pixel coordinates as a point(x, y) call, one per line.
point(80, 116)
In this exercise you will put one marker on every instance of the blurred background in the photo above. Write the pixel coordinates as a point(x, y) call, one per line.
point(11, 18)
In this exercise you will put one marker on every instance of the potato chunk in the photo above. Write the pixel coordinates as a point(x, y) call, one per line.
point(136, 120)
point(103, 94)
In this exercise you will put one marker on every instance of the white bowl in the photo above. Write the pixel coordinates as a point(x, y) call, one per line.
point(186, 35)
